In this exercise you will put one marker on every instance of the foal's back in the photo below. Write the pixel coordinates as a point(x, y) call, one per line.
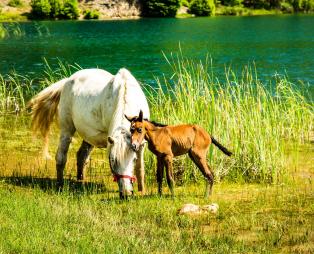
point(185, 137)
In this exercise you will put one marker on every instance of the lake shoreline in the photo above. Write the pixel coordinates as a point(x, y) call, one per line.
point(17, 16)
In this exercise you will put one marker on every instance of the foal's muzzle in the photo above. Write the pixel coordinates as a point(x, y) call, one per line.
point(135, 147)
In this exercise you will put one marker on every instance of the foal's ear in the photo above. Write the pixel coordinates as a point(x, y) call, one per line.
point(111, 140)
point(140, 116)
point(130, 119)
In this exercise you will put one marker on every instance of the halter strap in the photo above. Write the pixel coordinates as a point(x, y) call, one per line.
point(116, 177)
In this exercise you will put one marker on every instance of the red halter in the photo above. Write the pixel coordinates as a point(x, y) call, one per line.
point(116, 177)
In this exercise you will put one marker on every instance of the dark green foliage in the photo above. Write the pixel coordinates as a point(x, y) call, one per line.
point(284, 5)
point(15, 3)
point(40, 8)
point(160, 8)
point(91, 14)
point(202, 7)
point(56, 9)
point(70, 9)
point(302, 5)
point(185, 3)
point(231, 2)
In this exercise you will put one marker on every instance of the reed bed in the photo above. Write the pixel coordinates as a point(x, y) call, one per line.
point(258, 121)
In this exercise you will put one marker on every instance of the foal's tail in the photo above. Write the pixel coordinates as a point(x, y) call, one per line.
point(44, 108)
point(221, 147)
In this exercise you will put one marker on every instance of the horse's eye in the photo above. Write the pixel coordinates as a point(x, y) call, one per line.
point(132, 130)
point(139, 130)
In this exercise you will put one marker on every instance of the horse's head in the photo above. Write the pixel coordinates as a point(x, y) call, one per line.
point(138, 131)
point(121, 159)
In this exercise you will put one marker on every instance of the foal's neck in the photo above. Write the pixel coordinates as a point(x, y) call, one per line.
point(151, 132)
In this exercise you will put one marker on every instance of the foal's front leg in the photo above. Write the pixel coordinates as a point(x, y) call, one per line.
point(139, 169)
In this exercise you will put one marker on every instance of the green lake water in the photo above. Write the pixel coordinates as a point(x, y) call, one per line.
point(276, 44)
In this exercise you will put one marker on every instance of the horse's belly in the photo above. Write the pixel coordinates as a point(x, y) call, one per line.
point(96, 139)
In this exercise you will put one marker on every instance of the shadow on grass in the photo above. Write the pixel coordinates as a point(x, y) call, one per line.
point(50, 185)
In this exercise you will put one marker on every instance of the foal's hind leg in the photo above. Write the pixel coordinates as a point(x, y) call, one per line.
point(82, 156)
point(160, 174)
point(169, 172)
point(199, 158)
point(61, 157)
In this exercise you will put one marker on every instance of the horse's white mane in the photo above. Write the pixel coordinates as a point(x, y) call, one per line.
point(120, 82)
point(121, 155)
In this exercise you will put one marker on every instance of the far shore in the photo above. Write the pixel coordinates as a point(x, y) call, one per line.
point(17, 16)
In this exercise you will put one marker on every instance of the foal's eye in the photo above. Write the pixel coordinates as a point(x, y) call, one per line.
point(132, 130)
point(139, 130)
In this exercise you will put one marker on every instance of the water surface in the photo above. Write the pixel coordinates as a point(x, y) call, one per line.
point(276, 44)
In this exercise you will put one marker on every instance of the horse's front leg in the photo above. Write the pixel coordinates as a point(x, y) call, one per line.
point(82, 157)
point(61, 157)
point(169, 173)
point(139, 169)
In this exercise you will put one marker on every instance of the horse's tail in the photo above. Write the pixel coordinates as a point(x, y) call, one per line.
point(221, 147)
point(44, 108)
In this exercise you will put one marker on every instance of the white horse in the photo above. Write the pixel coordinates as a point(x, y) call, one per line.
point(92, 102)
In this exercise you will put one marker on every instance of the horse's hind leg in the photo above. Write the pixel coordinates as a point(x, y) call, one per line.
point(199, 158)
point(139, 169)
point(82, 156)
point(61, 157)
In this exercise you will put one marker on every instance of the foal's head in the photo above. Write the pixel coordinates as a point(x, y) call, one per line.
point(138, 130)
point(121, 159)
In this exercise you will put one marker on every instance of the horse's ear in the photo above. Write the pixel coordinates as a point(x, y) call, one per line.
point(140, 116)
point(130, 119)
point(111, 140)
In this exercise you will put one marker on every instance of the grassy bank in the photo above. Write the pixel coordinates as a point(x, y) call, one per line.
point(260, 121)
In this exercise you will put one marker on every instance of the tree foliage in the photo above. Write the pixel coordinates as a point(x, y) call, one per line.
point(202, 7)
point(56, 9)
point(160, 8)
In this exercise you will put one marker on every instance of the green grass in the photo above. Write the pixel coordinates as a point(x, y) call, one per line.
point(268, 125)
point(251, 219)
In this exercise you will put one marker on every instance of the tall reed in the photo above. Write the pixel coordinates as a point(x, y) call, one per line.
point(257, 120)
point(254, 119)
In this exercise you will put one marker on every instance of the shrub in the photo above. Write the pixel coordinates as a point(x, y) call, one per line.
point(62, 9)
point(15, 3)
point(40, 8)
point(185, 3)
point(202, 7)
point(70, 9)
point(231, 2)
point(286, 7)
point(56, 8)
point(160, 8)
point(91, 14)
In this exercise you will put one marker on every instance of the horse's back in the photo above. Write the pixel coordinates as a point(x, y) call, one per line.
point(81, 104)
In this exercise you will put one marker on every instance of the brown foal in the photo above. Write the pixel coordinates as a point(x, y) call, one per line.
point(167, 142)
